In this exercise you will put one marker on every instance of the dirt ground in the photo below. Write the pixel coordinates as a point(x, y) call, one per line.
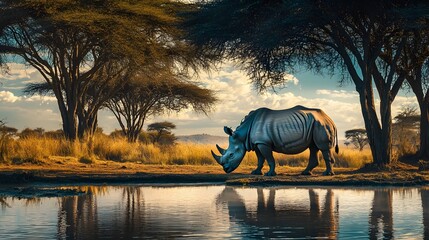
point(71, 171)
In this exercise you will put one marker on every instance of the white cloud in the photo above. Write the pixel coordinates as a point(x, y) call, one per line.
point(237, 99)
point(337, 93)
point(232, 86)
point(43, 99)
point(18, 71)
point(9, 97)
point(291, 78)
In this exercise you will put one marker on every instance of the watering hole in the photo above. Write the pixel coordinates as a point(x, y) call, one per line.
point(218, 212)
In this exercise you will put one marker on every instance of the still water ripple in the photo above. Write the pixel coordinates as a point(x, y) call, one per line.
point(220, 212)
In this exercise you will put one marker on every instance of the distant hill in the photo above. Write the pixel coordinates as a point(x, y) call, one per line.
point(203, 139)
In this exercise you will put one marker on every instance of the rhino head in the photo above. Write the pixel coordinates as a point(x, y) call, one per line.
point(231, 157)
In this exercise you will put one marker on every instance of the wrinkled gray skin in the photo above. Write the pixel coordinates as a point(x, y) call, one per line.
point(288, 131)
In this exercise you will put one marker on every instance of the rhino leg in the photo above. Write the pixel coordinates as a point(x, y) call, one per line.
point(312, 161)
point(327, 155)
point(267, 153)
point(261, 160)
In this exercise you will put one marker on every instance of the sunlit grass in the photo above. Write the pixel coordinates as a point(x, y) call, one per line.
point(42, 150)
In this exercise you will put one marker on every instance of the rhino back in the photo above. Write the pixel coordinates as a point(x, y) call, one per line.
point(286, 131)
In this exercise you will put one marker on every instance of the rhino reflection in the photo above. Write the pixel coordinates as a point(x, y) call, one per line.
point(425, 205)
point(284, 220)
point(381, 218)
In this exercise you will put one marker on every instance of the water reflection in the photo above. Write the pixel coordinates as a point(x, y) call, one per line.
point(425, 205)
point(283, 220)
point(3, 203)
point(207, 212)
point(381, 218)
point(77, 215)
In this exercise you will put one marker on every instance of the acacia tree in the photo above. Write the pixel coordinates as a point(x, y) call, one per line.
point(142, 97)
point(71, 43)
point(414, 64)
point(270, 38)
point(162, 132)
point(106, 83)
point(358, 137)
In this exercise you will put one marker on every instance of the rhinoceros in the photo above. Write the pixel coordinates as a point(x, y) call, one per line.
point(288, 131)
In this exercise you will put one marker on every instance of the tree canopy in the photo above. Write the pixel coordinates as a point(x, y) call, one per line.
point(142, 97)
point(162, 132)
point(362, 40)
point(75, 43)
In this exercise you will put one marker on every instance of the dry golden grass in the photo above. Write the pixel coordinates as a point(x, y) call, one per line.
point(35, 150)
point(107, 159)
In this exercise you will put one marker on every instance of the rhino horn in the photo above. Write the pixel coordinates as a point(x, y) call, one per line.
point(221, 150)
point(216, 157)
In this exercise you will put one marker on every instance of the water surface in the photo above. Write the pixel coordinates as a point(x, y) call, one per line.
point(219, 212)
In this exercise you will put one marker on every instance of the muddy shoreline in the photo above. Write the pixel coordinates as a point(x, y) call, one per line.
point(347, 178)
point(40, 182)
point(27, 180)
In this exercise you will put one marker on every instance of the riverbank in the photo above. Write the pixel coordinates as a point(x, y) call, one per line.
point(109, 172)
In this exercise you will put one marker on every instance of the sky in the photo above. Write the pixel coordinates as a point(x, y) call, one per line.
point(237, 97)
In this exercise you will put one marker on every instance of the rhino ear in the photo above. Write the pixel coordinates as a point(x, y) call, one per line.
point(227, 130)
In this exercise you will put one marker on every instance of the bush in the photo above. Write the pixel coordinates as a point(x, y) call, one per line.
point(87, 160)
point(6, 134)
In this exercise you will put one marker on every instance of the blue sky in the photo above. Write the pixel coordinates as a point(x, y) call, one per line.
point(232, 86)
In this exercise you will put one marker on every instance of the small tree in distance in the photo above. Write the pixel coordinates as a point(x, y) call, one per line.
point(161, 132)
point(145, 96)
point(357, 137)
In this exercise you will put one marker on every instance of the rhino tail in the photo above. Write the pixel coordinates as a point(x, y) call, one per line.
point(337, 149)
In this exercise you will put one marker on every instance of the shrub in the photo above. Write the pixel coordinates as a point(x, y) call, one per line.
point(87, 160)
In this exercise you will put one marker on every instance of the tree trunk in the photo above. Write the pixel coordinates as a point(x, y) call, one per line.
point(87, 124)
point(424, 130)
point(70, 125)
point(68, 117)
point(378, 137)
point(132, 135)
point(371, 127)
point(386, 129)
